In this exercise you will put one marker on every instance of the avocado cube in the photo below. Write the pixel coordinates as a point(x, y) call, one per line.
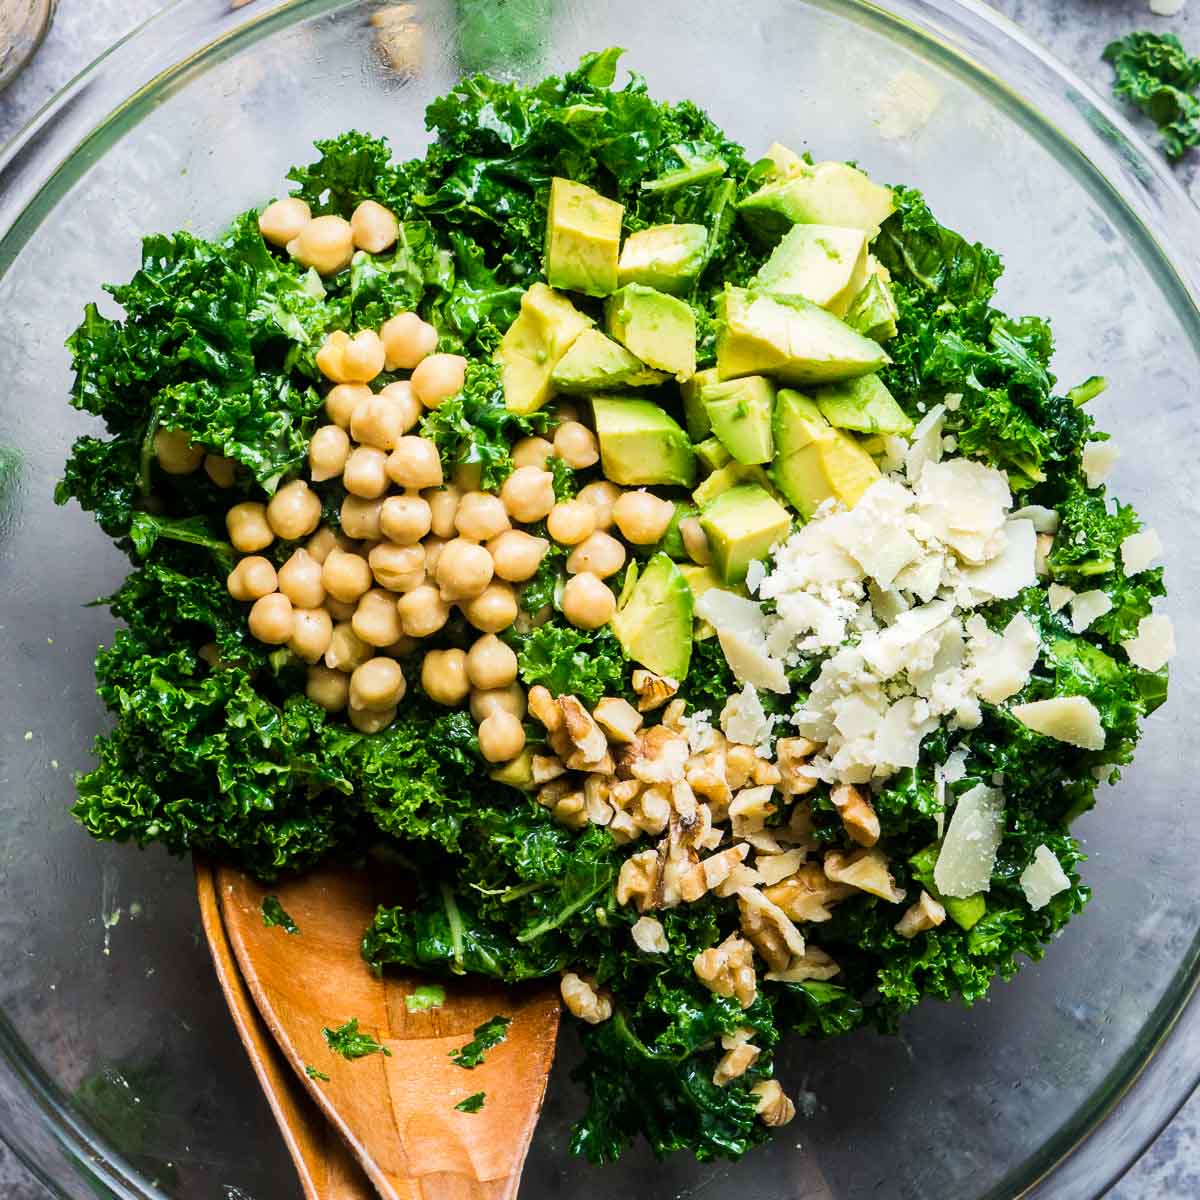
point(863, 405)
point(654, 623)
point(712, 455)
point(695, 415)
point(517, 773)
point(825, 264)
point(815, 462)
point(544, 330)
point(659, 329)
point(740, 412)
point(790, 338)
point(729, 476)
point(742, 525)
point(641, 444)
point(596, 363)
point(666, 257)
point(786, 162)
point(583, 239)
point(700, 579)
point(873, 311)
point(826, 193)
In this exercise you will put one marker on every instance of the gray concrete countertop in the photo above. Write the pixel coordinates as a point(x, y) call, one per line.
point(1075, 30)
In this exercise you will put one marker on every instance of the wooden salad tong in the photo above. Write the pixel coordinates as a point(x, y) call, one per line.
point(380, 1124)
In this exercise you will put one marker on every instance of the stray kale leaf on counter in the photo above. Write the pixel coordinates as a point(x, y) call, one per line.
point(491, 1033)
point(472, 1104)
point(348, 1041)
point(273, 913)
point(1154, 72)
point(313, 1073)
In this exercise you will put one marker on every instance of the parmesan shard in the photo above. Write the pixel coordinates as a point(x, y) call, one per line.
point(1099, 458)
point(926, 444)
point(1154, 644)
point(1070, 719)
point(1139, 550)
point(750, 662)
point(968, 852)
point(1013, 569)
point(1060, 596)
point(1003, 661)
point(1043, 879)
point(1089, 607)
point(1045, 520)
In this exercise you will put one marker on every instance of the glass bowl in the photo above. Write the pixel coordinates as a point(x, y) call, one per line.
point(120, 1074)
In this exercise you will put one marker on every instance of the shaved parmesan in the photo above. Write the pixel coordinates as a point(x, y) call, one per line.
point(1089, 607)
point(1070, 719)
point(1099, 458)
point(1060, 596)
point(1043, 879)
point(1154, 645)
point(1013, 569)
point(1139, 550)
point(968, 852)
point(744, 720)
point(926, 445)
point(1045, 520)
point(964, 503)
point(750, 662)
point(1003, 661)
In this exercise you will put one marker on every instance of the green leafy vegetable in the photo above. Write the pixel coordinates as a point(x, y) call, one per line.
point(472, 1104)
point(313, 1073)
point(425, 998)
point(487, 1036)
point(1154, 72)
point(348, 1041)
point(573, 662)
point(273, 913)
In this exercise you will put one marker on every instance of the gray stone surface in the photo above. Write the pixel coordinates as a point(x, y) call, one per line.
point(1075, 30)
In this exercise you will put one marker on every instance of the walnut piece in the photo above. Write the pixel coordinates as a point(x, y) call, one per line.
point(924, 915)
point(866, 870)
point(653, 691)
point(649, 935)
point(728, 969)
point(638, 879)
point(790, 755)
point(595, 795)
point(586, 736)
point(808, 895)
point(651, 809)
point(583, 1000)
point(542, 706)
point(735, 1062)
point(545, 767)
point(658, 756)
point(717, 868)
point(769, 929)
point(773, 1108)
point(858, 816)
point(739, 765)
point(812, 964)
point(618, 718)
point(750, 809)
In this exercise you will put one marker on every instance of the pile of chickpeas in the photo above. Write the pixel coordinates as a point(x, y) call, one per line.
point(412, 545)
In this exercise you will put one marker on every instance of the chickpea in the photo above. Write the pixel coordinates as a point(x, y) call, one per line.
point(379, 422)
point(444, 676)
point(443, 508)
point(371, 720)
point(378, 683)
point(587, 601)
point(422, 611)
point(480, 516)
point(340, 610)
point(531, 452)
point(494, 609)
point(346, 359)
point(300, 580)
point(571, 521)
point(321, 542)
point(325, 243)
point(330, 689)
point(695, 541)
point(601, 495)
point(400, 393)
point(376, 620)
point(248, 527)
point(576, 445)
point(252, 578)
point(294, 511)
point(405, 519)
point(366, 474)
point(361, 518)
point(397, 568)
point(468, 477)
point(464, 569)
point(175, 452)
point(346, 576)
point(509, 699)
point(221, 470)
point(271, 619)
point(528, 494)
point(402, 647)
point(342, 400)
point(408, 340)
point(312, 631)
point(517, 554)
point(601, 554)
point(501, 737)
point(415, 463)
point(331, 356)
point(346, 649)
point(433, 553)
point(283, 220)
point(327, 453)
point(373, 228)
point(642, 517)
point(491, 663)
point(437, 377)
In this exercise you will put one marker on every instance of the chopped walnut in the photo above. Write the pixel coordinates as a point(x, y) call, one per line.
point(583, 1000)
point(740, 877)
point(683, 802)
point(549, 794)
point(774, 867)
point(765, 771)
point(808, 895)
point(622, 792)
point(672, 716)
point(728, 969)
point(618, 718)
point(560, 741)
point(579, 761)
point(750, 809)
point(718, 867)
point(924, 915)
point(595, 794)
point(739, 765)
point(769, 929)
point(638, 879)
point(680, 876)
point(586, 736)
point(651, 810)
point(812, 964)
point(735, 1062)
point(858, 816)
point(706, 774)
point(543, 707)
point(791, 754)
point(623, 828)
point(764, 841)
point(773, 1108)
point(653, 690)
point(649, 935)
point(571, 810)
point(545, 767)
point(658, 756)
point(866, 870)
point(799, 828)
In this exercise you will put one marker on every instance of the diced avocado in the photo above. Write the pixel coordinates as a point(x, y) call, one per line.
point(967, 912)
point(596, 363)
point(583, 239)
point(695, 415)
point(671, 542)
point(729, 476)
point(873, 311)
point(863, 405)
point(826, 193)
point(740, 412)
point(712, 455)
point(742, 525)
point(786, 161)
point(543, 332)
point(823, 263)
point(700, 579)
point(790, 338)
point(815, 462)
point(654, 625)
point(641, 444)
point(517, 773)
point(666, 257)
point(659, 329)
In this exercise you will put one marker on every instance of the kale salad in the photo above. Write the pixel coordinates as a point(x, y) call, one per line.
point(667, 559)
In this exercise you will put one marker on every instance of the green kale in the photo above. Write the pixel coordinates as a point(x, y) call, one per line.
point(351, 1043)
point(473, 1103)
point(274, 914)
point(1154, 72)
point(542, 589)
point(314, 1074)
point(488, 1035)
point(573, 662)
point(425, 998)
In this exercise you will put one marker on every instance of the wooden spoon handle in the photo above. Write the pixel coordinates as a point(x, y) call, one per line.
point(326, 1168)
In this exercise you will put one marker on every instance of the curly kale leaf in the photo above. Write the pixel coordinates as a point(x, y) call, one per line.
point(353, 167)
point(1154, 72)
point(486, 1037)
point(351, 1043)
point(573, 662)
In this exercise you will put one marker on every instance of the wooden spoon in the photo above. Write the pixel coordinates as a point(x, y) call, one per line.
point(397, 1112)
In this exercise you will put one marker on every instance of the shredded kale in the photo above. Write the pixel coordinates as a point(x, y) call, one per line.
point(1154, 72)
point(313, 1073)
point(351, 1043)
point(274, 914)
point(573, 662)
point(487, 1036)
point(473, 1103)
